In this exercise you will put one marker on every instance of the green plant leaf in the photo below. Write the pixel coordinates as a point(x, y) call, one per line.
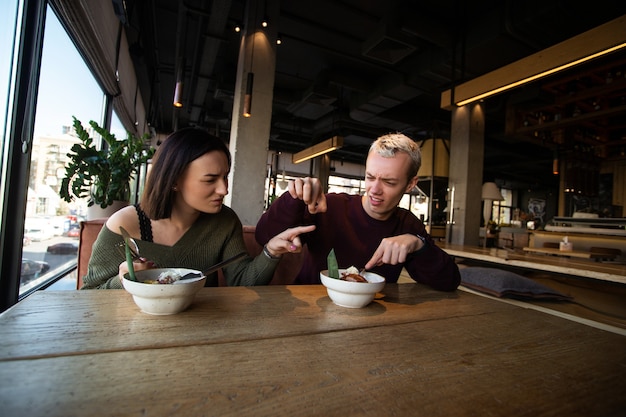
point(333, 266)
point(129, 262)
point(103, 175)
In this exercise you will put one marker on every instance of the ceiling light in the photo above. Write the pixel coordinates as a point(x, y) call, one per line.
point(589, 45)
point(178, 94)
point(178, 89)
point(540, 75)
point(247, 100)
point(555, 163)
point(321, 148)
point(265, 22)
point(237, 27)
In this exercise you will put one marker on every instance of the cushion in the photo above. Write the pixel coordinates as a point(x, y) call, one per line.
point(500, 283)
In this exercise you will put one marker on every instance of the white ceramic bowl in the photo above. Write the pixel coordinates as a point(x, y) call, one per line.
point(161, 299)
point(352, 294)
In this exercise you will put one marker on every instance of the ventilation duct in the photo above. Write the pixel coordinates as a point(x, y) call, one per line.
point(388, 45)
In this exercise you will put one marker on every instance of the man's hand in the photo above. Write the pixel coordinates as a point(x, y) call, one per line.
point(394, 250)
point(310, 191)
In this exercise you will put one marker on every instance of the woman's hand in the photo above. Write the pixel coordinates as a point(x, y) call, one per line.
point(288, 241)
point(138, 265)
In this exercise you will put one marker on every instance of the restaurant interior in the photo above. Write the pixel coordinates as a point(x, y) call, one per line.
point(281, 81)
point(520, 112)
point(358, 69)
point(353, 70)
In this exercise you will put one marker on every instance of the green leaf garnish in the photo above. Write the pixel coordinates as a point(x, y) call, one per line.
point(333, 266)
point(129, 261)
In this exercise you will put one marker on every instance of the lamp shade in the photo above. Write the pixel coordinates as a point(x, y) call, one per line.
point(178, 94)
point(321, 148)
point(491, 192)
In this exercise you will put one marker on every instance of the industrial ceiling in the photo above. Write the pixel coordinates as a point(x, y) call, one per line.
point(361, 68)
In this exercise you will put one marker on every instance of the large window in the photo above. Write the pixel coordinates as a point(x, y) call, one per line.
point(8, 10)
point(347, 178)
point(502, 210)
point(8, 14)
point(44, 81)
point(66, 88)
point(339, 184)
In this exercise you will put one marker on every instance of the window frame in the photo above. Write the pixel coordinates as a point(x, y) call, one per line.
point(23, 90)
point(17, 142)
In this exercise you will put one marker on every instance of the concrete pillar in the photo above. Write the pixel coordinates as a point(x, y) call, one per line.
point(466, 173)
point(321, 170)
point(249, 137)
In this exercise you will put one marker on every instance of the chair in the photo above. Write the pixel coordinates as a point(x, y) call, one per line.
point(89, 230)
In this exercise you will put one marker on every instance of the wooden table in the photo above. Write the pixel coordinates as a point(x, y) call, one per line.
point(585, 268)
point(287, 350)
point(558, 252)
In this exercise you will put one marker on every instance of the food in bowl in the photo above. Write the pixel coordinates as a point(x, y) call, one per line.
point(163, 299)
point(352, 274)
point(352, 294)
point(166, 277)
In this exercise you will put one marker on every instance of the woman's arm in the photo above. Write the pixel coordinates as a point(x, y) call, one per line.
point(104, 262)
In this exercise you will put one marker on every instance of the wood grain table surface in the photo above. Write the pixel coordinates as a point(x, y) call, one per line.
point(288, 350)
point(558, 252)
point(585, 268)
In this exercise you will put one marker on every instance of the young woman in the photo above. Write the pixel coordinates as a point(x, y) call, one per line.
point(182, 221)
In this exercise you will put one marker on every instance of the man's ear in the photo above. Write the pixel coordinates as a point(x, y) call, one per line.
point(412, 183)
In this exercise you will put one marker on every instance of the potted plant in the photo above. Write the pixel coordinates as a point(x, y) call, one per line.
point(103, 175)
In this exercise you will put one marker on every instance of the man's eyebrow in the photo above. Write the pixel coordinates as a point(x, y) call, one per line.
point(369, 174)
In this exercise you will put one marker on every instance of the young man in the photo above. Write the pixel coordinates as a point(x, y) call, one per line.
point(368, 231)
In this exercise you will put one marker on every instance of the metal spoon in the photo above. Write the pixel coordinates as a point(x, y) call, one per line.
point(215, 267)
point(134, 248)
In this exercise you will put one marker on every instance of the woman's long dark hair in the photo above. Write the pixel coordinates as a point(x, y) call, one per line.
point(169, 162)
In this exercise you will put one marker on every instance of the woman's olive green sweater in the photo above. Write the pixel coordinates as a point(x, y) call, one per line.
point(211, 239)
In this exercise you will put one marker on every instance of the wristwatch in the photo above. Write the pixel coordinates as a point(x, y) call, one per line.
point(425, 243)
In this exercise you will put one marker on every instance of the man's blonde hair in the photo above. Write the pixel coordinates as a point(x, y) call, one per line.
point(387, 146)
